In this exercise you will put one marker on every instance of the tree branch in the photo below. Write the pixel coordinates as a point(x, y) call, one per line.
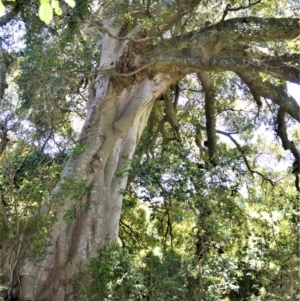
point(3, 213)
point(228, 8)
point(3, 137)
point(288, 144)
point(243, 29)
point(171, 114)
point(102, 28)
point(268, 90)
point(206, 82)
point(240, 149)
point(3, 69)
point(131, 232)
point(8, 16)
point(155, 136)
point(274, 66)
point(278, 67)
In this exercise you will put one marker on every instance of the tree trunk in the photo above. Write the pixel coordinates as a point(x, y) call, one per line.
point(116, 116)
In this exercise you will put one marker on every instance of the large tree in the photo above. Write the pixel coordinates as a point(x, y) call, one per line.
point(147, 52)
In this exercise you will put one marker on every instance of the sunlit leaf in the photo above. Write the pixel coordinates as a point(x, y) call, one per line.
point(2, 8)
point(56, 7)
point(46, 12)
point(70, 3)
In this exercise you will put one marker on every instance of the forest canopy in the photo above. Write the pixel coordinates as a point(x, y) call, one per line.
point(149, 150)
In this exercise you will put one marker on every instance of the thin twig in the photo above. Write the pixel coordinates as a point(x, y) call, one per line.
point(228, 8)
point(238, 146)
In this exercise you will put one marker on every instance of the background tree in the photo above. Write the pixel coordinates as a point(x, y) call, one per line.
point(127, 64)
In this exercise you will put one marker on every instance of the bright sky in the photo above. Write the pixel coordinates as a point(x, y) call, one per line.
point(294, 90)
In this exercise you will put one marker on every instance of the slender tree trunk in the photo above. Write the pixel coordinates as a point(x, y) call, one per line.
point(116, 116)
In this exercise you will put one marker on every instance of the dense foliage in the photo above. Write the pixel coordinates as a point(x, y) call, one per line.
point(203, 233)
point(199, 221)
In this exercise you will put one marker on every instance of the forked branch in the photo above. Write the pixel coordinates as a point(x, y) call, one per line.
point(240, 149)
point(229, 8)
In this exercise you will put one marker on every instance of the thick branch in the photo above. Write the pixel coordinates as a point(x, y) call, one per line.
point(206, 81)
point(275, 66)
point(279, 67)
point(3, 213)
point(256, 29)
point(3, 83)
point(3, 137)
point(243, 29)
point(171, 115)
point(276, 93)
point(281, 130)
point(155, 136)
point(288, 144)
point(7, 17)
point(10, 15)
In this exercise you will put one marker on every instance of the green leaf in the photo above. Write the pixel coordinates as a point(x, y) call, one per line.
point(45, 12)
point(70, 3)
point(2, 8)
point(77, 150)
point(70, 214)
point(56, 7)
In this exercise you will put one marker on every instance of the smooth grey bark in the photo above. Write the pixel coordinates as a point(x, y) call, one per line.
point(120, 102)
point(115, 121)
